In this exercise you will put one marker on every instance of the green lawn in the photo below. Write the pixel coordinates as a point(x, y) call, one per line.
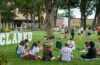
point(9, 50)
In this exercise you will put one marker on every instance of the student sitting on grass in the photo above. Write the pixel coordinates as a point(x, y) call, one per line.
point(39, 45)
point(33, 52)
point(26, 43)
point(98, 47)
point(66, 53)
point(58, 44)
point(46, 43)
point(47, 53)
point(85, 48)
point(71, 44)
point(20, 49)
point(91, 52)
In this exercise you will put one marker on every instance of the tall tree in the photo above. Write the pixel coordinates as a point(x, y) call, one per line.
point(32, 8)
point(7, 10)
point(97, 11)
point(49, 7)
point(39, 11)
point(86, 8)
point(68, 5)
point(24, 7)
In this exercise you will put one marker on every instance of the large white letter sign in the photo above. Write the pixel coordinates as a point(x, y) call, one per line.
point(8, 41)
point(14, 38)
point(2, 39)
point(19, 37)
point(30, 36)
point(25, 35)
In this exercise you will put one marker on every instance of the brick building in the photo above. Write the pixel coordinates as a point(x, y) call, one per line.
point(73, 22)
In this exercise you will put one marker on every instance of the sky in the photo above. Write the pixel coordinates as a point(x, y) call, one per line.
point(76, 13)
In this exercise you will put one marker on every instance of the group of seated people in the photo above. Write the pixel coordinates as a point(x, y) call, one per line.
point(66, 52)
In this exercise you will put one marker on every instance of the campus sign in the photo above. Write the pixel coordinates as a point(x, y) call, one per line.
point(14, 38)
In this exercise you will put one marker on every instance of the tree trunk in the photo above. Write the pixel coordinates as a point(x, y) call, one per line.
point(39, 18)
point(49, 7)
point(55, 17)
point(98, 20)
point(85, 22)
point(69, 17)
point(27, 18)
point(94, 22)
point(49, 27)
point(31, 15)
point(0, 17)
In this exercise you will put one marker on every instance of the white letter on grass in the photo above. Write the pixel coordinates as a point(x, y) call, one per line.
point(14, 38)
point(8, 41)
point(30, 36)
point(24, 35)
point(2, 39)
point(19, 37)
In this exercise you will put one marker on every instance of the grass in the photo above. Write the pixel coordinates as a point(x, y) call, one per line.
point(9, 50)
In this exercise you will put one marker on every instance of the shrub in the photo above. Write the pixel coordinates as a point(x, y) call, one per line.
point(6, 29)
point(3, 59)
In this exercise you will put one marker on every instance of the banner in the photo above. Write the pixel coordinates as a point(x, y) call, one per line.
point(14, 38)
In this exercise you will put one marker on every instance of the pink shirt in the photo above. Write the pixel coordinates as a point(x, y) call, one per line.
point(98, 28)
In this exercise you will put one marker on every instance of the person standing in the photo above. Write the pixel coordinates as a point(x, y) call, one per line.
point(79, 33)
point(0, 26)
point(62, 32)
point(89, 33)
point(72, 33)
point(98, 30)
point(81, 30)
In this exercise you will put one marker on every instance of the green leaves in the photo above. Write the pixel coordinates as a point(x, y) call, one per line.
point(7, 8)
point(3, 59)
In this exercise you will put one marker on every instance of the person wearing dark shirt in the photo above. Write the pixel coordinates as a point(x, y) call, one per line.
point(91, 53)
point(26, 41)
point(72, 33)
point(47, 53)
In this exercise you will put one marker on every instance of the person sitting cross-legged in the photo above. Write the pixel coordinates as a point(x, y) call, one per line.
point(33, 52)
point(47, 53)
point(20, 50)
point(66, 53)
point(26, 41)
point(91, 52)
point(71, 44)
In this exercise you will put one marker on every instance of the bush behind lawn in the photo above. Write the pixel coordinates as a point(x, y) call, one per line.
point(10, 51)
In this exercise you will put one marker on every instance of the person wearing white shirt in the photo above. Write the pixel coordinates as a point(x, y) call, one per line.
point(33, 52)
point(71, 44)
point(20, 49)
point(66, 54)
point(81, 30)
point(79, 33)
